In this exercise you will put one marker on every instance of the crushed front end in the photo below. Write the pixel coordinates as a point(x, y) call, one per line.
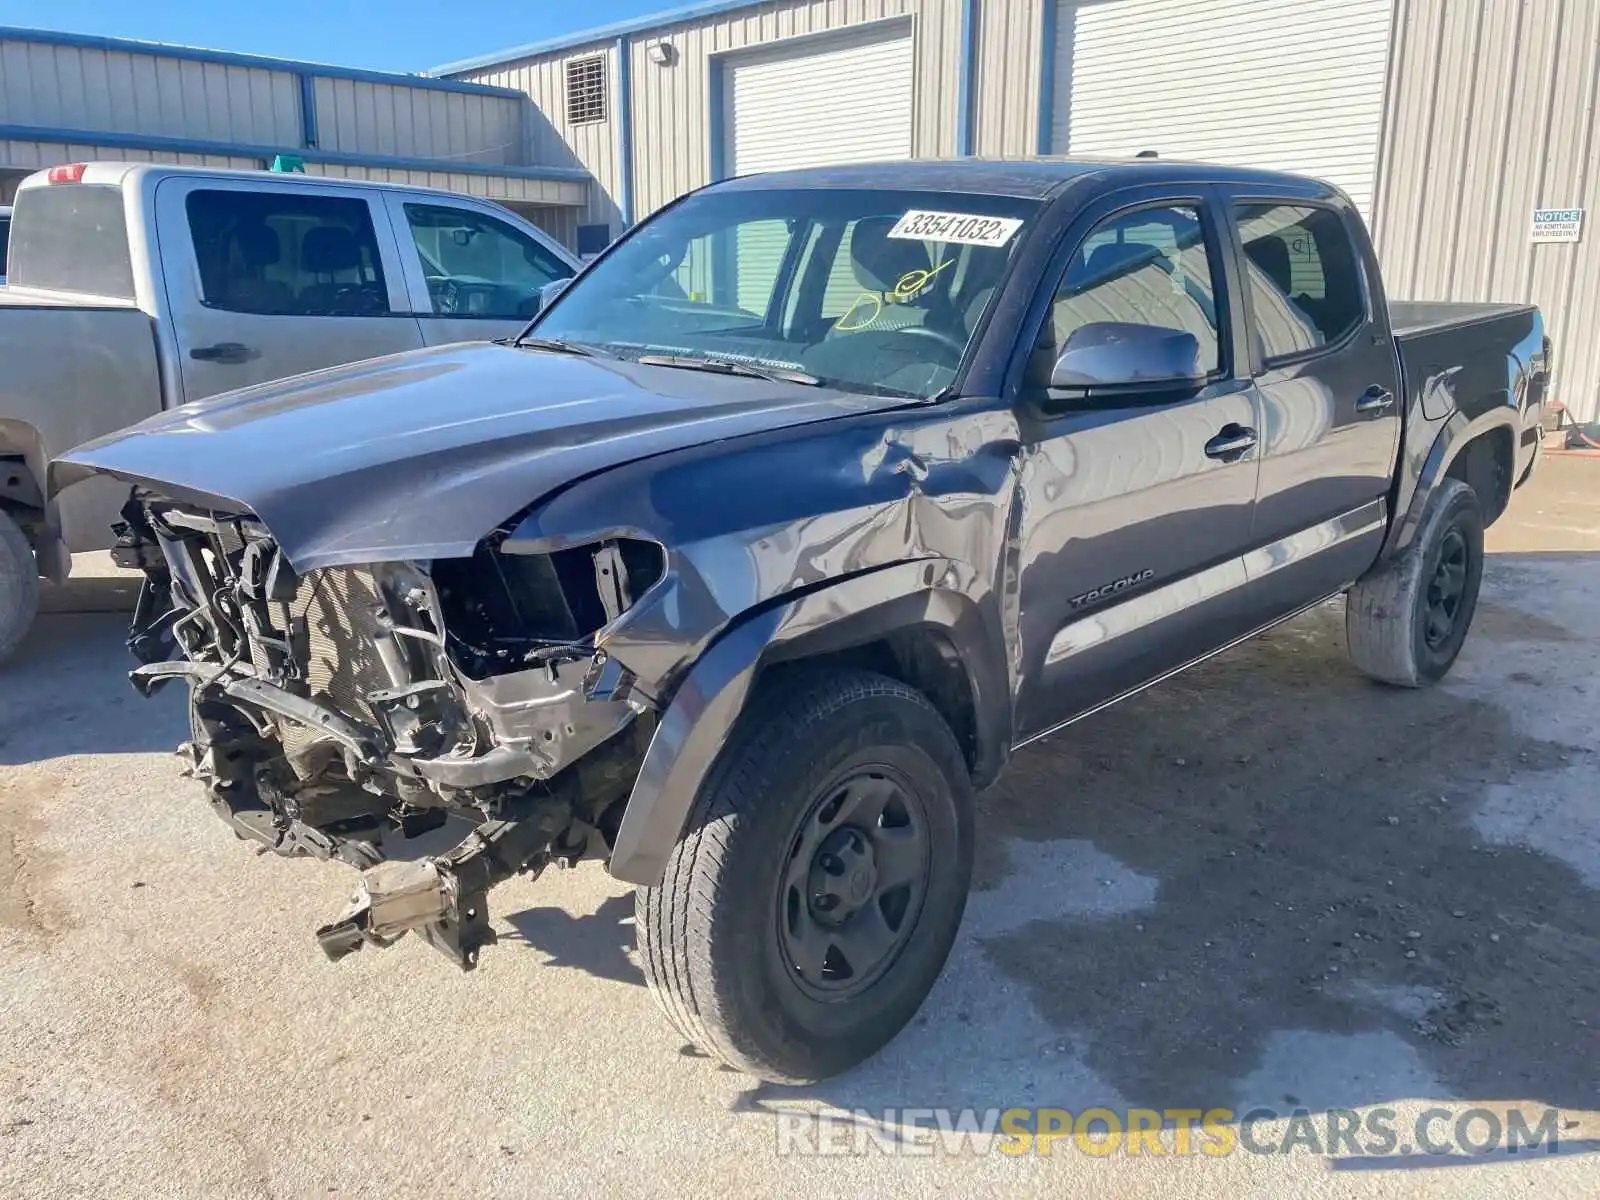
point(333, 710)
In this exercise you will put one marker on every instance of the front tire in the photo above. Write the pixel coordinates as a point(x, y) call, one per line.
point(1407, 621)
point(19, 585)
point(818, 886)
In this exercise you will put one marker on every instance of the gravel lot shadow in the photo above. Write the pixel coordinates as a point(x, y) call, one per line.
point(1268, 860)
point(597, 943)
point(66, 692)
point(1319, 871)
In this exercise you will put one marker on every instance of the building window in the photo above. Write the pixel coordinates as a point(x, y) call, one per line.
point(586, 90)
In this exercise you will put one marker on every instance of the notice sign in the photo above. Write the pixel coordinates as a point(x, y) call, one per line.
point(1557, 224)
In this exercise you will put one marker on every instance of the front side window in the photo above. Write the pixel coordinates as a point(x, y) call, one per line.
point(287, 254)
point(477, 266)
point(866, 290)
point(1148, 267)
point(1305, 286)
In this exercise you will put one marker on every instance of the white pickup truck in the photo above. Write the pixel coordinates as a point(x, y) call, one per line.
point(135, 288)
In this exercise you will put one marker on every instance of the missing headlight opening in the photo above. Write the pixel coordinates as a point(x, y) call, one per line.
point(330, 709)
point(504, 611)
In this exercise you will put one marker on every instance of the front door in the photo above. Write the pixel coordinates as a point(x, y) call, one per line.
point(1135, 510)
point(1329, 381)
point(266, 280)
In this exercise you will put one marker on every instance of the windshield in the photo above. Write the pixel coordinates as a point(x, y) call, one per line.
point(871, 291)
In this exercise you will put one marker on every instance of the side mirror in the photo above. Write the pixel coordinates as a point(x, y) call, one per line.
point(549, 292)
point(1110, 356)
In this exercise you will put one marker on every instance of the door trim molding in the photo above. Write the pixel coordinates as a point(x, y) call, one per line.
point(1141, 611)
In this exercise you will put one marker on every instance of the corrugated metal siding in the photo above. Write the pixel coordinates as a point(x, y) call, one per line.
point(673, 126)
point(560, 223)
point(1009, 77)
point(490, 187)
point(554, 142)
point(362, 117)
point(74, 87)
point(34, 156)
point(1492, 114)
point(1283, 84)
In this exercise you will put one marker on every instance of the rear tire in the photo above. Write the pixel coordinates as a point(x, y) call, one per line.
point(19, 585)
point(780, 940)
point(1407, 621)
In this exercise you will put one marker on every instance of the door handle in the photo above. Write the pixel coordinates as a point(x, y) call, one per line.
point(1231, 443)
point(225, 352)
point(1375, 399)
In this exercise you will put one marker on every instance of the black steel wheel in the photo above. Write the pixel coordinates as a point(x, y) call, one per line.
point(1446, 590)
point(1407, 620)
point(857, 873)
point(817, 888)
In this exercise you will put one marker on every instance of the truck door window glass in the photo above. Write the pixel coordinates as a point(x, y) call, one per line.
point(1147, 267)
point(477, 266)
point(1305, 285)
point(287, 254)
point(71, 237)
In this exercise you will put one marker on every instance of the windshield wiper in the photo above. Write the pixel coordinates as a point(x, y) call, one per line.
point(730, 366)
point(558, 345)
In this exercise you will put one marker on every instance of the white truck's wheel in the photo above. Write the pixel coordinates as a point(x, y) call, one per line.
point(19, 585)
point(1406, 622)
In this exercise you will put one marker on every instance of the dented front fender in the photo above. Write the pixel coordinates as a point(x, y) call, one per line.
point(695, 726)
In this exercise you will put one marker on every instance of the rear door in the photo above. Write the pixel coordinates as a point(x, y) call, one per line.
point(266, 281)
point(1135, 509)
point(472, 274)
point(1328, 375)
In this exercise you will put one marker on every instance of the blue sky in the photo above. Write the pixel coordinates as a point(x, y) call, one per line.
point(383, 35)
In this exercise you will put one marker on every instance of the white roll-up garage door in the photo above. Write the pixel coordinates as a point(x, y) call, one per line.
point(1292, 85)
point(820, 103)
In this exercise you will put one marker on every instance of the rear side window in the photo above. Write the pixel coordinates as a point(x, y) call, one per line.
point(71, 237)
point(282, 254)
point(1305, 284)
point(5, 238)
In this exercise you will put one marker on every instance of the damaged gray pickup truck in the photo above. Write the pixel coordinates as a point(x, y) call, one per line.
point(774, 535)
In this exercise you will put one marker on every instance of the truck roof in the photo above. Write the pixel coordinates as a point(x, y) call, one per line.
point(1027, 178)
point(134, 174)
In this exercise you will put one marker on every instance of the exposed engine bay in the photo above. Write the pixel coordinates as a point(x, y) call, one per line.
point(333, 709)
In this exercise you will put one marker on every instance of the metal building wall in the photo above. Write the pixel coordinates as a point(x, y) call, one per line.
point(363, 117)
point(1491, 114)
point(63, 85)
point(671, 104)
point(79, 87)
point(592, 145)
point(1010, 76)
point(672, 120)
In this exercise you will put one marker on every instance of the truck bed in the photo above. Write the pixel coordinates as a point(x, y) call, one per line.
point(70, 372)
point(1412, 318)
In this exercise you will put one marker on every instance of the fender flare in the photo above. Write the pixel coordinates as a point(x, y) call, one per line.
point(1457, 432)
point(713, 693)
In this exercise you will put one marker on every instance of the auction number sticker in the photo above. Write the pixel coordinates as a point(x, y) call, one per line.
point(965, 229)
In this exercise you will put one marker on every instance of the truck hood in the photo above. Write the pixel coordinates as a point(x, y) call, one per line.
point(420, 455)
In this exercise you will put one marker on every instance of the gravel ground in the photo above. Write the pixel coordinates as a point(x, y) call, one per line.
point(1266, 883)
